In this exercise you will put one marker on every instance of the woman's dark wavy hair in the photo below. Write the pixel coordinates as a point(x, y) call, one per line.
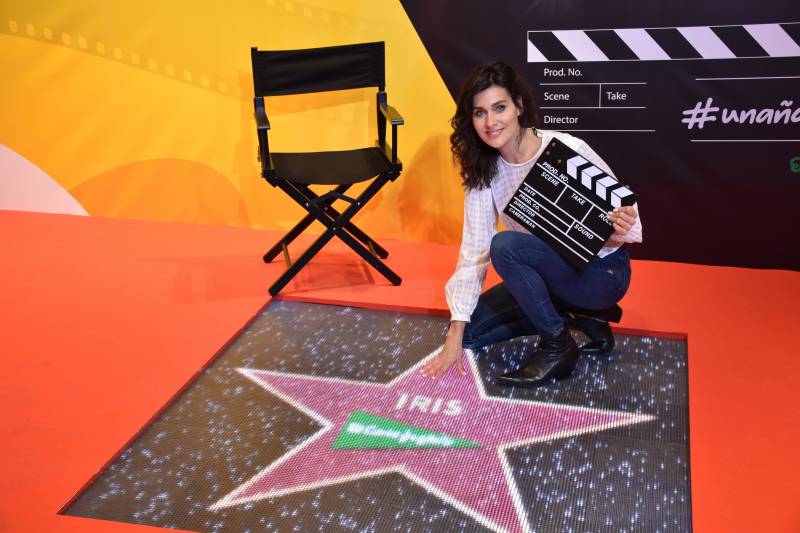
point(478, 161)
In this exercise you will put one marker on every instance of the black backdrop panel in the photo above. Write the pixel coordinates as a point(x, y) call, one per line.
point(635, 80)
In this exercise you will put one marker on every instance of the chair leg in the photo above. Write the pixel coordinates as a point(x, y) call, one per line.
point(328, 209)
point(323, 239)
point(365, 254)
point(358, 234)
point(301, 261)
point(308, 219)
point(338, 226)
point(343, 221)
point(288, 238)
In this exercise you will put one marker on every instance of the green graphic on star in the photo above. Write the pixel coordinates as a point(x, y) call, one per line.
point(365, 430)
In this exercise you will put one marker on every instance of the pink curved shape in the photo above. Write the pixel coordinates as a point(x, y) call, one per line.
point(26, 187)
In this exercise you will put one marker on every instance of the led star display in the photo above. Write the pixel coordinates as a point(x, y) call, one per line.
point(448, 437)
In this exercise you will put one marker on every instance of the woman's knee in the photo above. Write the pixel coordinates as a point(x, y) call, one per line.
point(511, 248)
point(501, 250)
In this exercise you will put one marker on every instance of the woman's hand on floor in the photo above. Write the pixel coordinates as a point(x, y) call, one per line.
point(451, 354)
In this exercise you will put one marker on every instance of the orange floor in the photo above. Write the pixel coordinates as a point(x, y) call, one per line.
point(91, 306)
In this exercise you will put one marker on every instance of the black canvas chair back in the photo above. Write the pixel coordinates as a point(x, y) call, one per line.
point(334, 68)
point(288, 72)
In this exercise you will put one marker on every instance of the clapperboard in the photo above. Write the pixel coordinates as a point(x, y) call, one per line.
point(564, 200)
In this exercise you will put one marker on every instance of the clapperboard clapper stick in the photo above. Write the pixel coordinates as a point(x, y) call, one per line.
point(564, 200)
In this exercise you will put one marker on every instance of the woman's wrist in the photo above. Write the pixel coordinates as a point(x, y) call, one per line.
point(456, 329)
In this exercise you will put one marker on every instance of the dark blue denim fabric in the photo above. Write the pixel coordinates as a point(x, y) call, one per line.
point(537, 284)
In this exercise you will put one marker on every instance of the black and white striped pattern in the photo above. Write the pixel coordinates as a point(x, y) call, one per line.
point(664, 44)
point(603, 185)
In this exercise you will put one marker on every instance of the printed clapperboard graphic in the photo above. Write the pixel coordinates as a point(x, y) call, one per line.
point(742, 41)
point(564, 200)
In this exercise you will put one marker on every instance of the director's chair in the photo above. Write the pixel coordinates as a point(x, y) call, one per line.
point(287, 72)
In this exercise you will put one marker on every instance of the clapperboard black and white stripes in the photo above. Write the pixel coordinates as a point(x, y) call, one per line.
point(564, 200)
point(663, 44)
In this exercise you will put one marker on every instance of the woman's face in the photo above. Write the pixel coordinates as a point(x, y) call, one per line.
point(495, 117)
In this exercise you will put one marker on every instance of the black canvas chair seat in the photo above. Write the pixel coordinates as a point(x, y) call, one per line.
point(330, 168)
point(334, 68)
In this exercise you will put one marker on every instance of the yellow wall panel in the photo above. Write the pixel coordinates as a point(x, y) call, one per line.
point(144, 109)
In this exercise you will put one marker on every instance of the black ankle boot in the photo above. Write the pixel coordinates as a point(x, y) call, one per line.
point(601, 339)
point(555, 357)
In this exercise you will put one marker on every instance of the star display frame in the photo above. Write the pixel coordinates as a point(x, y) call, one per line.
point(242, 420)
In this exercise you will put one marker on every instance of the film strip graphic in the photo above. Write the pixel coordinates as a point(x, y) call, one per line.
point(664, 44)
point(221, 82)
point(564, 200)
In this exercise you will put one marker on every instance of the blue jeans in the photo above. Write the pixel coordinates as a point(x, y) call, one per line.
point(537, 284)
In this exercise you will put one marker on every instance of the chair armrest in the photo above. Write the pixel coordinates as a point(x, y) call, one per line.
point(391, 114)
point(262, 128)
point(262, 122)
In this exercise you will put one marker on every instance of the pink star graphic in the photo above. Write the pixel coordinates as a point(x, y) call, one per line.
point(477, 481)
